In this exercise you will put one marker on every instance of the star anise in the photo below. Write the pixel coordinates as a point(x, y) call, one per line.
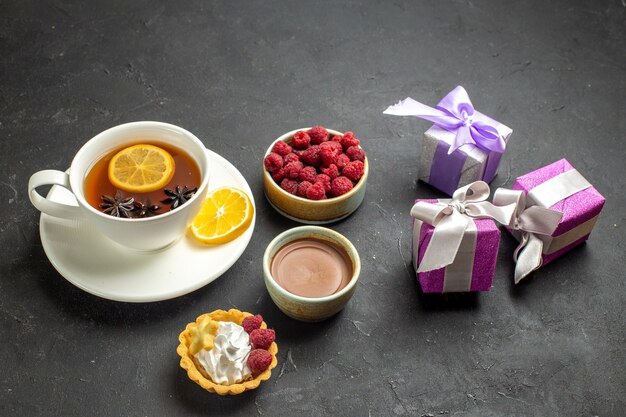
point(117, 206)
point(145, 209)
point(179, 196)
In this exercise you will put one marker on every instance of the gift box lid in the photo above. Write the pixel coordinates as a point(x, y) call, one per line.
point(467, 164)
point(439, 133)
point(577, 208)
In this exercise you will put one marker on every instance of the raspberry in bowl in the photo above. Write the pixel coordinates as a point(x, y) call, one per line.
point(315, 175)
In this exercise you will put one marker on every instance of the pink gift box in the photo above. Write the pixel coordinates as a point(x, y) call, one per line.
point(580, 210)
point(484, 262)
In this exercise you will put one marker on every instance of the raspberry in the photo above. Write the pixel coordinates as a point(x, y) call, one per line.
point(337, 138)
point(311, 156)
point(307, 174)
point(292, 169)
point(324, 180)
point(340, 185)
point(331, 170)
point(328, 156)
point(316, 192)
point(336, 146)
point(348, 135)
point(262, 338)
point(302, 187)
point(301, 140)
point(281, 148)
point(259, 360)
point(342, 160)
point(326, 145)
point(318, 135)
point(290, 186)
point(291, 157)
point(329, 153)
point(279, 175)
point(349, 140)
point(355, 153)
point(251, 323)
point(353, 170)
point(273, 162)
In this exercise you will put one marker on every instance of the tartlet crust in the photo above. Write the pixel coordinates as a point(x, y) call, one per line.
point(197, 374)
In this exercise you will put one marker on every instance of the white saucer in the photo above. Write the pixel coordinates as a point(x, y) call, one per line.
point(101, 267)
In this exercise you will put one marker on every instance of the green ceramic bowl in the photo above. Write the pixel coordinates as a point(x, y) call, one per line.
point(305, 308)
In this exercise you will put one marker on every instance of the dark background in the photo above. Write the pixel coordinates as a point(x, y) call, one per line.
point(239, 74)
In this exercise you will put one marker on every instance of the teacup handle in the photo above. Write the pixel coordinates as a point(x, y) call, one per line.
point(51, 177)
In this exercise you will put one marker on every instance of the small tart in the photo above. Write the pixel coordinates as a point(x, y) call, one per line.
point(198, 374)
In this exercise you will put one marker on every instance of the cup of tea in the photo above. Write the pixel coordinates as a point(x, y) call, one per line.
point(141, 219)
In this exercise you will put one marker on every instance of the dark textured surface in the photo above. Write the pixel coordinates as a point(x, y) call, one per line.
point(238, 75)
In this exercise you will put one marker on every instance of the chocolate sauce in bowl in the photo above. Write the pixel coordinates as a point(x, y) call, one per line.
point(311, 268)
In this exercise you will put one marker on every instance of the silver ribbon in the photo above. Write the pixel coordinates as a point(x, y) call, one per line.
point(451, 219)
point(457, 277)
point(553, 244)
point(530, 222)
point(557, 188)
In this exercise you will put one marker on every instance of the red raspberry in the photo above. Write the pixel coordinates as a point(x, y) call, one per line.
point(329, 152)
point(251, 323)
point(290, 186)
point(353, 170)
point(291, 157)
point(279, 175)
point(281, 148)
point(349, 140)
point(301, 140)
point(307, 174)
point(337, 138)
point(331, 170)
point(273, 162)
point(340, 185)
point(298, 152)
point(302, 187)
point(328, 156)
point(355, 153)
point(259, 360)
point(348, 135)
point(342, 160)
point(336, 146)
point(316, 192)
point(324, 180)
point(292, 169)
point(262, 338)
point(318, 135)
point(326, 145)
point(311, 156)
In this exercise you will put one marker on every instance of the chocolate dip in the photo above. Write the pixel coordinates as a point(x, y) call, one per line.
point(311, 268)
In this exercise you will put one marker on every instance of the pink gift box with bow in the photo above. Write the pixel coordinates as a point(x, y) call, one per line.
point(562, 188)
point(481, 268)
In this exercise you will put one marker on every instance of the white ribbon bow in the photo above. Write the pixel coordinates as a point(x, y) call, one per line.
point(452, 218)
point(530, 222)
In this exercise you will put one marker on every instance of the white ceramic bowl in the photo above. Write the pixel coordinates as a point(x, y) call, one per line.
point(305, 308)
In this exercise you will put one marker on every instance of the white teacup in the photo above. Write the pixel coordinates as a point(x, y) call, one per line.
point(144, 234)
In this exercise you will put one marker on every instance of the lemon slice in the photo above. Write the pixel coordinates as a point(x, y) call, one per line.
point(225, 214)
point(141, 168)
